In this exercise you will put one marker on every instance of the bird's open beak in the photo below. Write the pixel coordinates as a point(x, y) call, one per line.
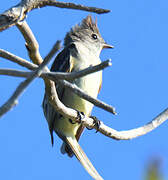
point(107, 46)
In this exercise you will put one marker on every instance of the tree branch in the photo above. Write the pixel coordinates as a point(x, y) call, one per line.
point(31, 42)
point(85, 96)
point(18, 13)
point(15, 73)
point(54, 50)
point(84, 72)
point(9, 56)
point(12, 101)
point(70, 6)
point(56, 76)
point(133, 133)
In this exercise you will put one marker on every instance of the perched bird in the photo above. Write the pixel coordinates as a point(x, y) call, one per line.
point(82, 47)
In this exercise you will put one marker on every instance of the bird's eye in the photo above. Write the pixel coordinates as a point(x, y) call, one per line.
point(94, 36)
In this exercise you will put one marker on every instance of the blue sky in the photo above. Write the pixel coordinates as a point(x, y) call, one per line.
point(136, 85)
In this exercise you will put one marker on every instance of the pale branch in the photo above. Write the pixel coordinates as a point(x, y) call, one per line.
point(57, 75)
point(124, 135)
point(69, 76)
point(15, 73)
point(31, 42)
point(85, 96)
point(12, 101)
point(133, 133)
point(84, 72)
point(18, 13)
point(54, 50)
point(9, 56)
point(66, 5)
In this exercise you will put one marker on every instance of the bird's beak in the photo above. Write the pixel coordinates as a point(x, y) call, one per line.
point(105, 45)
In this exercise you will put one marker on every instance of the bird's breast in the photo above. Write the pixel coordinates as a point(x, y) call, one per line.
point(89, 84)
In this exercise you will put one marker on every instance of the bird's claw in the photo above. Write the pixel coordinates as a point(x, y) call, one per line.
point(80, 116)
point(96, 123)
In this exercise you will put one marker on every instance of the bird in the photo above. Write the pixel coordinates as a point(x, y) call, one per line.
point(82, 47)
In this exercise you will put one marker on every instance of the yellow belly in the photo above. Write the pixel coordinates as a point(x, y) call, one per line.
point(90, 84)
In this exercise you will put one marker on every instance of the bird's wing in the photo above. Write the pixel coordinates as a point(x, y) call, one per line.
point(61, 64)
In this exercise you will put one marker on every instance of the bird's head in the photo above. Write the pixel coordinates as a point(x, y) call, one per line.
point(88, 34)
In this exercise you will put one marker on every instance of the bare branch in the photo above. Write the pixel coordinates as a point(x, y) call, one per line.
point(125, 135)
point(7, 55)
point(133, 133)
point(31, 42)
point(56, 76)
point(71, 6)
point(12, 101)
point(83, 95)
point(84, 72)
point(18, 12)
point(15, 73)
point(54, 50)
point(51, 75)
point(17, 59)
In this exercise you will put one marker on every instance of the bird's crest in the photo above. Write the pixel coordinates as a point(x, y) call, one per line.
point(87, 24)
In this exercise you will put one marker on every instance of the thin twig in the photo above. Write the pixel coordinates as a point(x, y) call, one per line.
point(84, 72)
point(54, 50)
point(15, 73)
point(85, 96)
point(12, 101)
point(9, 56)
point(133, 133)
point(56, 75)
point(50, 75)
point(72, 6)
point(31, 42)
point(18, 13)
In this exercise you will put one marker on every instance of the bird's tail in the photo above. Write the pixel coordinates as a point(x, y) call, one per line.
point(81, 156)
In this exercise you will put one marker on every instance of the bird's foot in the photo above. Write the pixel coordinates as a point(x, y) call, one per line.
point(80, 116)
point(96, 123)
